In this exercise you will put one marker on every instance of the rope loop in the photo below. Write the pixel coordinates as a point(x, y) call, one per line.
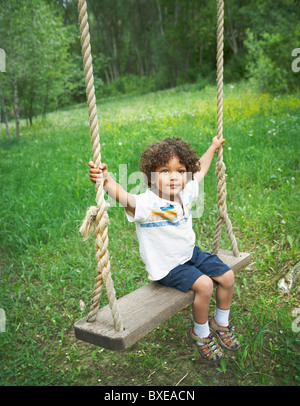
point(220, 166)
point(96, 216)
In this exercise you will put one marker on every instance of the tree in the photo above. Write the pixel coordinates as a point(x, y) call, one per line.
point(36, 45)
point(2, 106)
point(269, 46)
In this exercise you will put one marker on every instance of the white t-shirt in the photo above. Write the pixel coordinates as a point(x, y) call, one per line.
point(164, 230)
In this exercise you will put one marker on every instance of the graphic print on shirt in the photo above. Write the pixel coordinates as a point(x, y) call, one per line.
point(166, 215)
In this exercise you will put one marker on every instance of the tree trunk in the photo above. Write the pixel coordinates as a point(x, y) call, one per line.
point(112, 49)
point(233, 43)
point(108, 47)
point(4, 114)
point(201, 51)
point(140, 60)
point(31, 109)
point(186, 63)
point(177, 12)
point(160, 18)
point(16, 108)
point(111, 72)
point(106, 76)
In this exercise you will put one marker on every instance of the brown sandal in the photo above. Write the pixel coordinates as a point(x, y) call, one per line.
point(225, 335)
point(210, 348)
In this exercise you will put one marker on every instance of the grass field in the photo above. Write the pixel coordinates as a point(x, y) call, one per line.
point(47, 272)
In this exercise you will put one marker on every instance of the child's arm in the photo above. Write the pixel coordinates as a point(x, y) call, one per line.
point(113, 189)
point(207, 158)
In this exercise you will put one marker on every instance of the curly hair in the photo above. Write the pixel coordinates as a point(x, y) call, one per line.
point(160, 153)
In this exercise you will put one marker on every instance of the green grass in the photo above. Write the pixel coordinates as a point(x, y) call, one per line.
point(46, 269)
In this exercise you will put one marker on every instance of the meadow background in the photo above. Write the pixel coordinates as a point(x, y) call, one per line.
point(47, 272)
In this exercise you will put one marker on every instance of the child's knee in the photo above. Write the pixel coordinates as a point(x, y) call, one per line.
point(228, 279)
point(204, 285)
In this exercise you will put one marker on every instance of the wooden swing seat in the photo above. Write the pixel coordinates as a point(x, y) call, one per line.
point(143, 310)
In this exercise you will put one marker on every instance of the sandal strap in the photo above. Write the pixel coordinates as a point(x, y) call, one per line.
point(209, 348)
point(226, 335)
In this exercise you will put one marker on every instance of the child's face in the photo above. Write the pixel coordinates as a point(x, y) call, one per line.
point(170, 179)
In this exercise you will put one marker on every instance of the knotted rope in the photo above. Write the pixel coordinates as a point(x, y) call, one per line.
point(220, 166)
point(96, 216)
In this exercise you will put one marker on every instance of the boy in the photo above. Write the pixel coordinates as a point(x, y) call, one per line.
point(167, 241)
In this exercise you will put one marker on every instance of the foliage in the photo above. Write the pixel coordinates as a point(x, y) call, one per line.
point(269, 46)
point(268, 70)
point(140, 46)
point(36, 57)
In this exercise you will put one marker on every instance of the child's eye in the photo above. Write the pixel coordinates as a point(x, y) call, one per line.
point(164, 171)
point(181, 171)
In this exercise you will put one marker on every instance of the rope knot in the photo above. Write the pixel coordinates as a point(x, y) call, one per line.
point(89, 221)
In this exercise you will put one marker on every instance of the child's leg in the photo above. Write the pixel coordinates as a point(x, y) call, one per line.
point(220, 322)
point(203, 288)
point(208, 347)
point(224, 289)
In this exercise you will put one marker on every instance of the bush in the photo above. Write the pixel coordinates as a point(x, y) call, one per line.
point(269, 62)
point(128, 84)
point(201, 82)
point(235, 68)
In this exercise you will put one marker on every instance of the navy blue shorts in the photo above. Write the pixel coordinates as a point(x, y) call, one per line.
point(183, 276)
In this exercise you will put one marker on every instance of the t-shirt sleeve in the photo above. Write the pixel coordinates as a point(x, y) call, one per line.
point(142, 208)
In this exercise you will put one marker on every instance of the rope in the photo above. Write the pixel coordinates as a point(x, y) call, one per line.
point(220, 166)
point(96, 215)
